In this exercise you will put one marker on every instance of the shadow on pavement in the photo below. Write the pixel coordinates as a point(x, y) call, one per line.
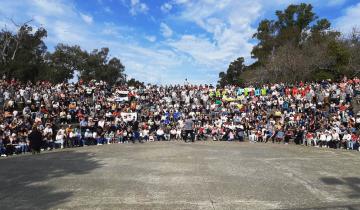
point(352, 183)
point(352, 187)
point(331, 207)
point(25, 182)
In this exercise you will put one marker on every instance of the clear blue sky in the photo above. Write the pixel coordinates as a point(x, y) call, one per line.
point(165, 41)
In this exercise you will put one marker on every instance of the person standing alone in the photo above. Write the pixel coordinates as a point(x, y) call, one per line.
point(35, 138)
point(189, 129)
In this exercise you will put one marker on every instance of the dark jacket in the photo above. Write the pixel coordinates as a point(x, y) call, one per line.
point(35, 139)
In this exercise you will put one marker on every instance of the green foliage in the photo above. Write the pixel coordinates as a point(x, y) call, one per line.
point(296, 46)
point(135, 83)
point(63, 62)
point(320, 75)
point(24, 55)
point(232, 75)
point(96, 65)
point(291, 26)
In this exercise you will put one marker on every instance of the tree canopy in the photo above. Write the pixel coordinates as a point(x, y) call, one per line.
point(24, 56)
point(298, 46)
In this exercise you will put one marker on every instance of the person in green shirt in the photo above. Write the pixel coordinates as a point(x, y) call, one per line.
point(263, 91)
point(246, 91)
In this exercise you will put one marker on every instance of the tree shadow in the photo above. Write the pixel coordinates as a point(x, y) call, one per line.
point(352, 183)
point(352, 187)
point(24, 180)
point(330, 207)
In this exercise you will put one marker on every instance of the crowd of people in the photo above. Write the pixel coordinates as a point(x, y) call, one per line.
point(45, 116)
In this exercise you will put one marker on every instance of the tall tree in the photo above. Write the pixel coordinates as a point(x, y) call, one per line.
point(291, 26)
point(297, 45)
point(22, 54)
point(64, 61)
point(232, 75)
point(98, 66)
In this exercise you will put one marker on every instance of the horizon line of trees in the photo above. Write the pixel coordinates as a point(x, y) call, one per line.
point(296, 46)
point(25, 56)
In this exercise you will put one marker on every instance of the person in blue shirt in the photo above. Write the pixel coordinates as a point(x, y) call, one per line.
point(280, 136)
point(240, 91)
point(177, 115)
point(257, 92)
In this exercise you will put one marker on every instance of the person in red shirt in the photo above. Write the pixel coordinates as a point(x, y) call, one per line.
point(287, 91)
point(309, 138)
point(294, 91)
point(303, 92)
point(342, 107)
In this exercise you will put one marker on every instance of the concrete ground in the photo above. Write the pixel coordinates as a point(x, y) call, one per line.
point(177, 175)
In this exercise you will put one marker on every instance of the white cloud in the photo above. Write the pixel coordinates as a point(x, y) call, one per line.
point(136, 7)
point(349, 20)
point(50, 6)
point(165, 30)
point(166, 7)
point(108, 9)
point(150, 38)
point(227, 32)
point(87, 18)
point(336, 2)
point(157, 64)
point(219, 31)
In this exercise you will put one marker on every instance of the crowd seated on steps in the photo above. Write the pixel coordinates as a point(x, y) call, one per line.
point(94, 113)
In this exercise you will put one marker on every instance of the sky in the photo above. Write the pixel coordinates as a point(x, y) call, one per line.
point(165, 41)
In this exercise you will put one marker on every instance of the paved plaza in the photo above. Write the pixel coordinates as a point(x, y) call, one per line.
point(177, 175)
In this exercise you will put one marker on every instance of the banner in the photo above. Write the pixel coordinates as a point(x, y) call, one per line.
point(128, 116)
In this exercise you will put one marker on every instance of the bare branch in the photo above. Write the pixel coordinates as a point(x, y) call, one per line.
point(17, 25)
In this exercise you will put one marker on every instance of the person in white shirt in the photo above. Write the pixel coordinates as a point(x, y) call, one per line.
point(322, 139)
point(60, 137)
point(48, 136)
point(145, 134)
point(87, 138)
point(173, 133)
point(328, 139)
point(347, 139)
point(335, 141)
point(160, 134)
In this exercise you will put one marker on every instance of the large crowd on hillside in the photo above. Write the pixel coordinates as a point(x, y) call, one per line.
point(45, 116)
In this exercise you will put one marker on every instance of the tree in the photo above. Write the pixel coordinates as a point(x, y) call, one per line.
point(98, 66)
point(292, 26)
point(296, 46)
point(64, 61)
point(352, 43)
point(135, 83)
point(265, 35)
point(232, 75)
point(22, 53)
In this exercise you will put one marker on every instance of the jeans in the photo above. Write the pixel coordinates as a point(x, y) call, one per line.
point(101, 140)
point(22, 148)
point(60, 143)
point(350, 145)
point(2, 150)
point(136, 136)
point(120, 139)
point(160, 137)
